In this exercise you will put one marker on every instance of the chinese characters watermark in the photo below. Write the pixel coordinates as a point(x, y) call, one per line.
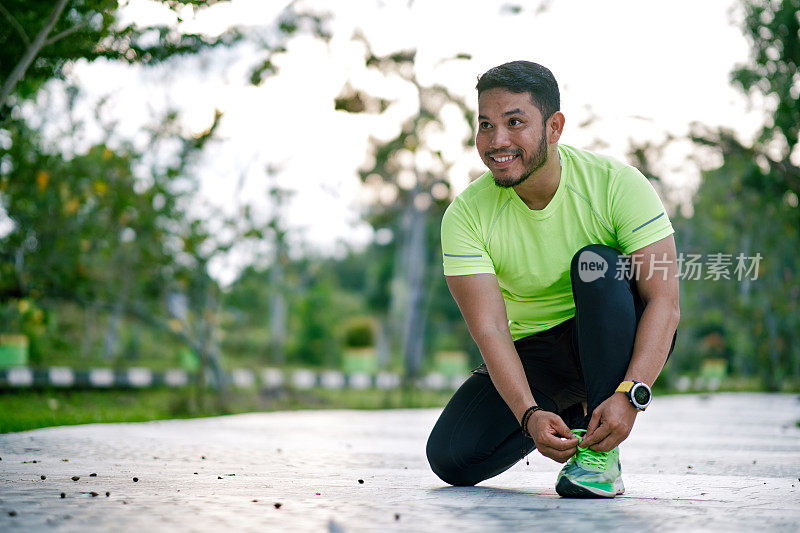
point(712, 266)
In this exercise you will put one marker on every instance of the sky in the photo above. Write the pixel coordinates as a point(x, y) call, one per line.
point(642, 70)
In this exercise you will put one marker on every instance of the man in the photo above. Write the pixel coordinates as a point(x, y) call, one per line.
point(563, 265)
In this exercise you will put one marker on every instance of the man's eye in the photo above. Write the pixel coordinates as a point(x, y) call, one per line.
point(514, 122)
point(484, 125)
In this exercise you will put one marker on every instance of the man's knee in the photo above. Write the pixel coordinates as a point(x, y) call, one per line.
point(595, 263)
point(443, 463)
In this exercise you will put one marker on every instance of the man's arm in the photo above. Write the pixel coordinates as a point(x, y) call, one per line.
point(657, 282)
point(479, 299)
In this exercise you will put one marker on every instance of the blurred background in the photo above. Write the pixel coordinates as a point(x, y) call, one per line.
point(211, 206)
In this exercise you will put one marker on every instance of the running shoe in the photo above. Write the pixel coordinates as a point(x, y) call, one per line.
point(591, 474)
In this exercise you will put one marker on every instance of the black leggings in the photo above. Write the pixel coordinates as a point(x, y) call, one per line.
point(582, 359)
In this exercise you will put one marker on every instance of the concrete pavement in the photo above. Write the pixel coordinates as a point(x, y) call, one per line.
point(727, 462)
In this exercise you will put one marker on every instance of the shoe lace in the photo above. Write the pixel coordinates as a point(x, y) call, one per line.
point(589, 457)
point(592, 458)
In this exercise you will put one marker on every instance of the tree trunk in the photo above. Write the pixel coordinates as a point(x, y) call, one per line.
point(398, 303)
point(414, 324)
point(112, 331)
point(89, 315)
point(277, 326)
point(383, 343)
point(773, 376)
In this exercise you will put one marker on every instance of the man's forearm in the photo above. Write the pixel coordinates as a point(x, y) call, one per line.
point(505, 369)
point(653, 339)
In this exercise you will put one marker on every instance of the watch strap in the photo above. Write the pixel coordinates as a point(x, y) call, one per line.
point(625, 386)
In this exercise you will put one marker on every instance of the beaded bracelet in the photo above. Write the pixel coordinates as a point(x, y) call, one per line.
point(526, 416)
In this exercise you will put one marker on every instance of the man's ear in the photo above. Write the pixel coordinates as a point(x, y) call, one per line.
point(555, 126)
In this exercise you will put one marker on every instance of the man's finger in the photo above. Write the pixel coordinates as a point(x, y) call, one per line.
point(607, 444)
point(562, 429)
point(555, 443)
point(548, 452)
point(561, 458)
point(600, 433)
point(566, 455)
point(556, 455)
point(594, 423)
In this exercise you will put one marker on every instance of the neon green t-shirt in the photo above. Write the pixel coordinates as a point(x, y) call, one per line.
point(599, 200)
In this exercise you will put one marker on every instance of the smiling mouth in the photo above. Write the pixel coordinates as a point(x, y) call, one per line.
point(502, 159)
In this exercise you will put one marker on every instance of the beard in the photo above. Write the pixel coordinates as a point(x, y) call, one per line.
point(536, 161)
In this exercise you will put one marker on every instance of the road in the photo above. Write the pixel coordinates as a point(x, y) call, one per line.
point(726, 462)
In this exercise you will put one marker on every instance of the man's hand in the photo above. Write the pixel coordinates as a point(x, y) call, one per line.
point(611, 423)
point(546, 428)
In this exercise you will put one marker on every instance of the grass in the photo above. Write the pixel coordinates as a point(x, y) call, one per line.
point(24, 410)
point(31, 409)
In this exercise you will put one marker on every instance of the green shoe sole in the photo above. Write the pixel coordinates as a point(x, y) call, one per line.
point(568, 489)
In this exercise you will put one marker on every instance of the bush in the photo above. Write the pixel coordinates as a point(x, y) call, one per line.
point(359, 332)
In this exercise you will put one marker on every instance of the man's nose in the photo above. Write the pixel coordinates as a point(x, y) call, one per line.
point(500, 139)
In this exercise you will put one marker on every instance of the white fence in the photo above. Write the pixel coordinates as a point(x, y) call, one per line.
point(239, 378)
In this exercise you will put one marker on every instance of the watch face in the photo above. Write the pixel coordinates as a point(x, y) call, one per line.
point(641, 395)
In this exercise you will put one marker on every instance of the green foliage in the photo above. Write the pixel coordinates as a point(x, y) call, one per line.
point(753, 324)
point(413, 216)
point(88, 29)
point(87, 231)
point(116, 250)
point(84, 229)
point(99, 233)
point(749, 205)
point(773, 28)
point(321, 299)
point(112, 259)
point(359, 332)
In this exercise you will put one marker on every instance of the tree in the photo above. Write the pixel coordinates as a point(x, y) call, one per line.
point(43, 38)
point(749, 206)
point(416, 174)
point(773, 29)
point(86, 230)
point(751, 319)
point(112, 239)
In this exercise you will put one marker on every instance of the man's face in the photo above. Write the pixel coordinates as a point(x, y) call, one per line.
point(511, 136)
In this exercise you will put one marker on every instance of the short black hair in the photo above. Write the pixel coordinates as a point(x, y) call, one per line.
point(524, 77)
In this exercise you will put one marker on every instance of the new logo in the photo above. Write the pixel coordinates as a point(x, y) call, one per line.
point(591, 266)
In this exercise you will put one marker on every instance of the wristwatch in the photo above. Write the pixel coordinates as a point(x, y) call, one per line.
point(638, 393)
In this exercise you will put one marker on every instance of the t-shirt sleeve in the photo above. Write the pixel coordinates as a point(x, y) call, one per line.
point(463, 250)
point(637, 214)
